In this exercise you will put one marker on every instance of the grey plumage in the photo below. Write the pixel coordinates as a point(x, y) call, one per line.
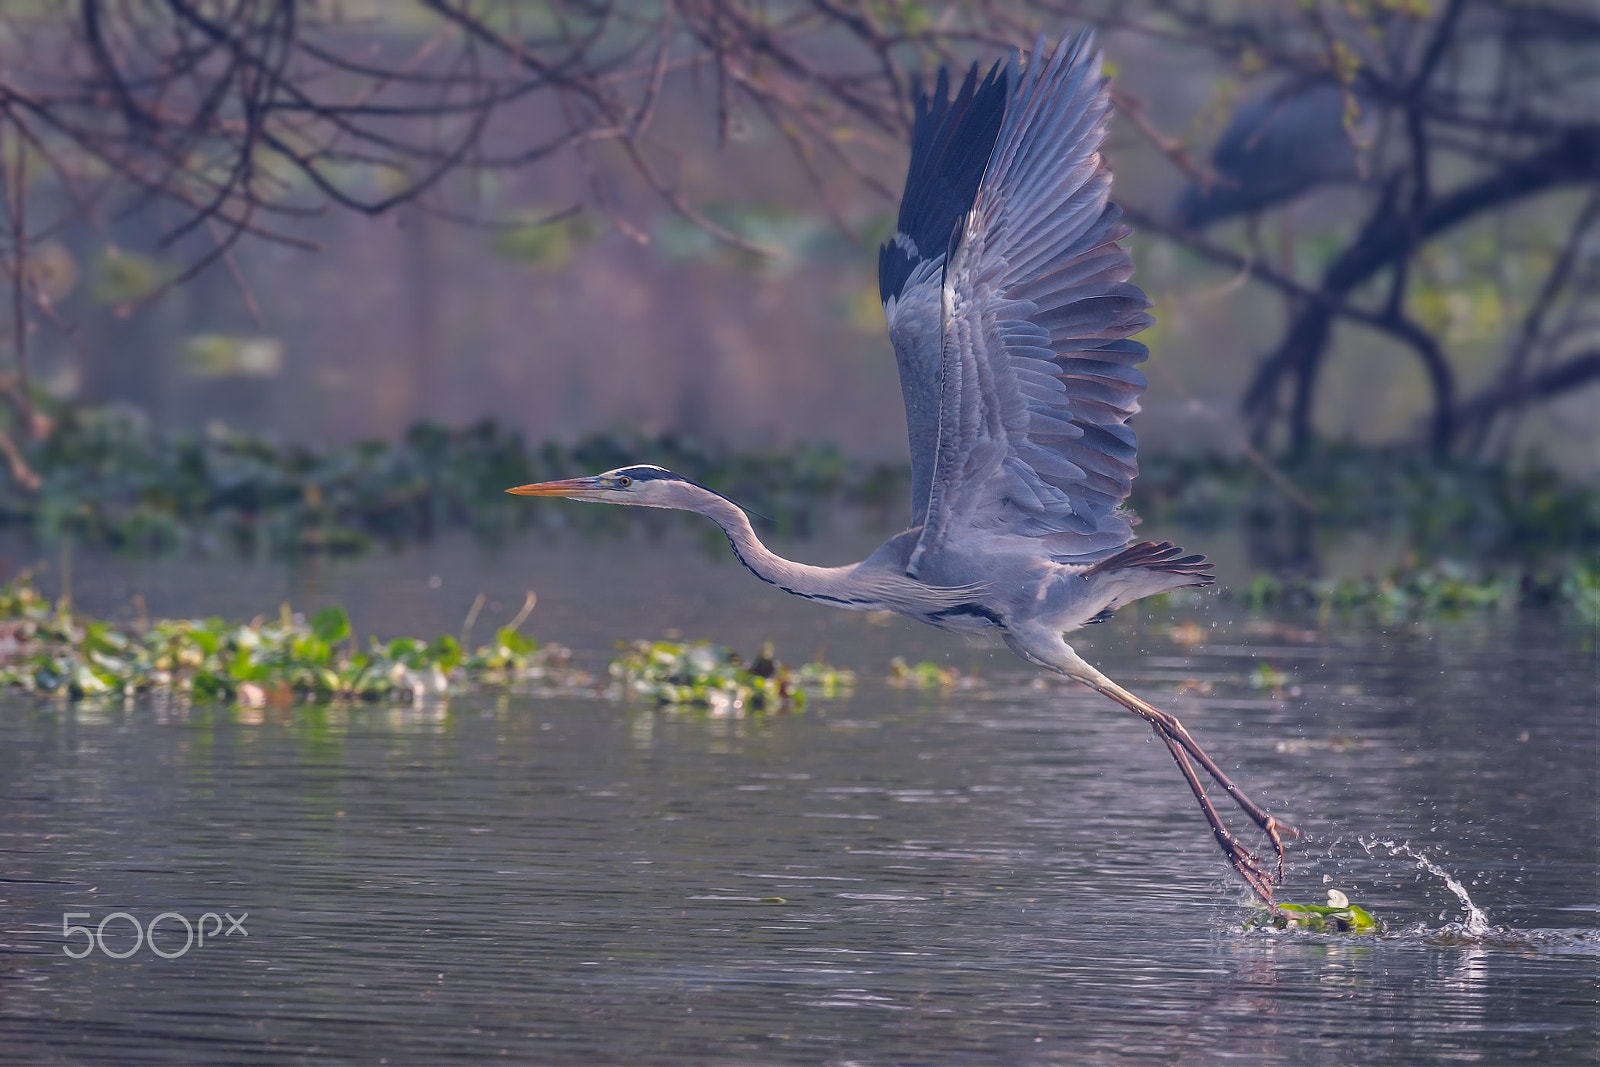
point(1282, 145)
point(1008, 303)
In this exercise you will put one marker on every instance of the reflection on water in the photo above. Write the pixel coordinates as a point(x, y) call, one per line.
point(1008, 874)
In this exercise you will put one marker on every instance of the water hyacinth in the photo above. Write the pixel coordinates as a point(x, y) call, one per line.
point(702, 675)
point(48, 649)
point(928, 675)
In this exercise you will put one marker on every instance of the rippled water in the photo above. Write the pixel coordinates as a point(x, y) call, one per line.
point(1011, 874)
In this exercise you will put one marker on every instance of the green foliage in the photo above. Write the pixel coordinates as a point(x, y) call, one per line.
point(221, 355)
point(1338, 916)
point(789, 235)
point(119, 277)
point(50, 650)
point(1266, 676)
point(544, 242)
point(109, 479)
point(1581, 587)
point(927, 675)
point(1439, 590)
point(711, 677)
point(1437, 508)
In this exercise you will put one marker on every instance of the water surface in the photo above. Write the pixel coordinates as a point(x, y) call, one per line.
point(1013, 873)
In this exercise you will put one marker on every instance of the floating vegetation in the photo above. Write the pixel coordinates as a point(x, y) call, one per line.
point(46, 648)
point(703, 675)
point(1440, 589)
point(1265, 676)
point(1580, 586)
point(1338, 916)
point(928, 675)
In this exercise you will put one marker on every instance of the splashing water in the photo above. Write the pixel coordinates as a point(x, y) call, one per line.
point(1477, 923)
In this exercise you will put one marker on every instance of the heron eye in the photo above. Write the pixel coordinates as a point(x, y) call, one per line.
point(624, 481)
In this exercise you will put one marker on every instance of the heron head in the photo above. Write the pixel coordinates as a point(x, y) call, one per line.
point(640, 484)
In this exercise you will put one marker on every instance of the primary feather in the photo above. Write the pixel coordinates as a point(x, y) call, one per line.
point(1010, 313)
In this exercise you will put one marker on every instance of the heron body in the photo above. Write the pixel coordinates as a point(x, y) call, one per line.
point(1007, 300)
point(1302, 136)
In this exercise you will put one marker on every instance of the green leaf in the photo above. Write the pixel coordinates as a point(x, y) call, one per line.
point(1317, 918)
point(331, 625)
point(208, 640)
point(307, 650)
point(446, 652)
point(514, 642)
point(405, 649)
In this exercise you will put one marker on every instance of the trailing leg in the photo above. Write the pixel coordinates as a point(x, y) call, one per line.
point(1184, 748)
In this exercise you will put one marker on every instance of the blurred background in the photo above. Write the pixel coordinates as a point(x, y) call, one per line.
point(1368, 225)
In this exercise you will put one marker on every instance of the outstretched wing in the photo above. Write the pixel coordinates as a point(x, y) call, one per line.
point(1036, 369)
point(951, 141)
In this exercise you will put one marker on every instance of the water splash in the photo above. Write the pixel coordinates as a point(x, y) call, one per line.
point(1477, 924)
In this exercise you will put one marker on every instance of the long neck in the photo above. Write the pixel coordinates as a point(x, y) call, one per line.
point(843, 586)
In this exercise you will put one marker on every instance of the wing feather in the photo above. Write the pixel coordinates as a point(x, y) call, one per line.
point(1036, 377)
point(951, 142)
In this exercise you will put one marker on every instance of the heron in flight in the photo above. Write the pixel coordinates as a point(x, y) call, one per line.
point(1009, 307)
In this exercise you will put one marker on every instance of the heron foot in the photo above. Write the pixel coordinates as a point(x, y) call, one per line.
point(1255, 871)
point(1261, 879)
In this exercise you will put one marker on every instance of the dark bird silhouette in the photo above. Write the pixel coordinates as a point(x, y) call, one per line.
point(1281, 146)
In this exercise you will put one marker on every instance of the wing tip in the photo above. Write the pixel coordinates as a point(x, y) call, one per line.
point(952, 139)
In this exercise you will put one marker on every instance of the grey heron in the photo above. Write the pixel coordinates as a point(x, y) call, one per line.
point(1008, 304)
point(1282, 145)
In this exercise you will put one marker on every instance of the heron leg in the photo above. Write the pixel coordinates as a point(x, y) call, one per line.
point(1246, 862)
point(1184, 748)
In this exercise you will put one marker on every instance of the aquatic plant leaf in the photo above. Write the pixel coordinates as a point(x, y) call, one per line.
point(718, 680)
point(331, 625)
point(1316, 918)
point(515, 642)
point(445, 652)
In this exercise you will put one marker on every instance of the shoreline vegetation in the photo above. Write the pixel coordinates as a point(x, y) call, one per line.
point(1475, 537)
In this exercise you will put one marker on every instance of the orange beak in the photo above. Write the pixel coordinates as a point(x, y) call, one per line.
point(572, 488)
